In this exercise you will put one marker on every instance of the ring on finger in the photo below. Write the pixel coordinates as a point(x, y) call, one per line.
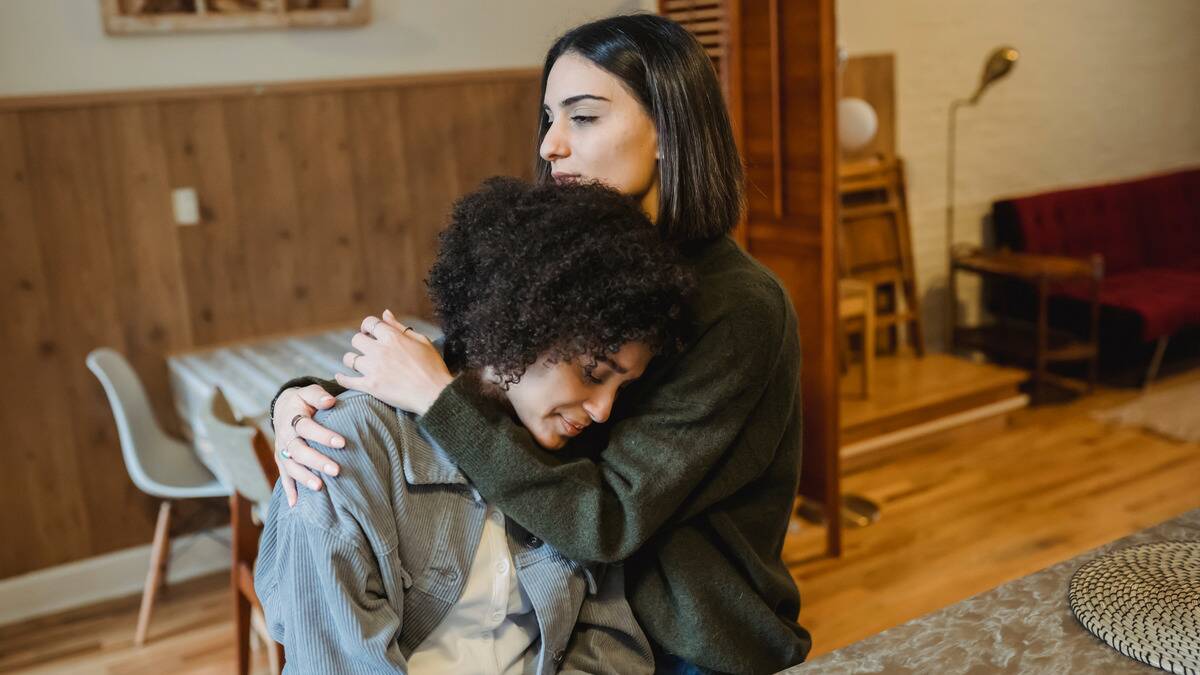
point(283, 452)
point(295, 421)
point(406, 330)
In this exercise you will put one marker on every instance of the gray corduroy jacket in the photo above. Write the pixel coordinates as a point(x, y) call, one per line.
point(356, 576)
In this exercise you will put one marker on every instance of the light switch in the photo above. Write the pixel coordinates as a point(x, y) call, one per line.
point(186, 206)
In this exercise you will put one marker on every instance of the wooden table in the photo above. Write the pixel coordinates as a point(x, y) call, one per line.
point(1023, 626)
point(1038, 343)
point(251, 372)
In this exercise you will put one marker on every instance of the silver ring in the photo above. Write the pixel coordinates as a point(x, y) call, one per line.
point(295, 421)
point(354, 362)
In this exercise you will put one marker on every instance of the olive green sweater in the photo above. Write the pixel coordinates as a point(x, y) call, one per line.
point(691, 483)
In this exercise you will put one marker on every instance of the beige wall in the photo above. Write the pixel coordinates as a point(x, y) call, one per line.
point(60, 46)
point(1105, 89)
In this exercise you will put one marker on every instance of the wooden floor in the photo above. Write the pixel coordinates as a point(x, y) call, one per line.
point(957, 520)
point(961, 519)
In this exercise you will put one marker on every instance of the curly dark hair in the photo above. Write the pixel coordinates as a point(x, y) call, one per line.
point(563, 271)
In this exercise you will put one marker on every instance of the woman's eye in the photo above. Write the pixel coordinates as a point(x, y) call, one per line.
point(583, 119)
point(592, 378)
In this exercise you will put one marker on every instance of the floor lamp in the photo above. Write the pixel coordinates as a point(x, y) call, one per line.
point(999, 63)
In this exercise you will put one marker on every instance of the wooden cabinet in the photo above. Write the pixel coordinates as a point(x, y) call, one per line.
point(778, 66)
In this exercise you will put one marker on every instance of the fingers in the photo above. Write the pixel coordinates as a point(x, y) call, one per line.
point(301, 474)
point(350, 360)
point(391, 320)
point(365, 343)
point(315, 396)
point(355, 383)
point(308, 429)
point(289, 484)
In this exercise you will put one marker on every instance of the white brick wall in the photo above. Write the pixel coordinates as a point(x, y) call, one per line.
point(1105, 89)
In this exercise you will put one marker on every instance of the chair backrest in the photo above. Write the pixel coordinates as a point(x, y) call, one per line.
point(232, 449)
point(154, 460)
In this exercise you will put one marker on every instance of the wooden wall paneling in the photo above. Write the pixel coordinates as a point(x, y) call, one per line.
point(384, 205)
point(490, 142)
point(40, 466)
point(330, 263)
point(91, 256)
point(429, 128)
point(268, 212)
point(216, 265)
point(149, 290)
point(73, 231)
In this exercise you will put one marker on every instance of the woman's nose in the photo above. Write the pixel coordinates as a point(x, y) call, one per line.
point(554, 144)
point(599, 407)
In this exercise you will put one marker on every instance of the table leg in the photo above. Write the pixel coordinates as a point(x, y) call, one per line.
point(952, 310)
point(1039, 372)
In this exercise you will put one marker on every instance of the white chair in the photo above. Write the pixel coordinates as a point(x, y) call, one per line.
point(242, 456)
point(160, 466)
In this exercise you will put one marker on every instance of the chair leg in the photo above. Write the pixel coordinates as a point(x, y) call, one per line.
point(1155, 362)
point(273, 649)
point(159, 552)
point(241, 613)
point(868, 362)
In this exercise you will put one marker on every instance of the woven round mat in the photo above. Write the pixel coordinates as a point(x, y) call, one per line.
point(1144, 601)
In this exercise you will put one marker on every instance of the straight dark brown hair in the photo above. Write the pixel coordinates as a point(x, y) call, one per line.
point(667, 71)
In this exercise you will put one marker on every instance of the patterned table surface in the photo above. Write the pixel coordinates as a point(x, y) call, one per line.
point(250, 373)
point(1023, 626)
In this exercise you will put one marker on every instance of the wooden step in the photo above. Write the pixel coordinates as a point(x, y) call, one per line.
point(918, 397)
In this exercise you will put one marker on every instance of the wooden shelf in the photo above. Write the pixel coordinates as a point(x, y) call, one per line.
point(1019, 340)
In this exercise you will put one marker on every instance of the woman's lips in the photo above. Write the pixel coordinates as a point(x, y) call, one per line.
point(560, 177)
point(570, 428)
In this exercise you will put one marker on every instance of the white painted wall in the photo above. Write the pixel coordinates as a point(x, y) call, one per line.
point(54, 46)
point(1105, 89)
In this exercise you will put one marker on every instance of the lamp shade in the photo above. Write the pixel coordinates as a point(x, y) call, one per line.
point(1000, 62)
point(857, 123)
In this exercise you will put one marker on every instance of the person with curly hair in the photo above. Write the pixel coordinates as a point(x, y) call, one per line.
point(692, 482)
point(553, 298)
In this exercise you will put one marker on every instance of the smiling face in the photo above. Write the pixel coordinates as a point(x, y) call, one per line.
point(556, 401)
point(599, 132)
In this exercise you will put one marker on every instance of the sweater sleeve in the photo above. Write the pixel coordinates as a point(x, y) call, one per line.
point(686, 445)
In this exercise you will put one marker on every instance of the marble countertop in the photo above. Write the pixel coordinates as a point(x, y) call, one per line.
point(1023, 626)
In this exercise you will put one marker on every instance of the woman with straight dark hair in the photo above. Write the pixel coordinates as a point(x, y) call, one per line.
point(691, 481)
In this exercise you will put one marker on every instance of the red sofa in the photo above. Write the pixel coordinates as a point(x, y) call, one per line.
point(1147, 230)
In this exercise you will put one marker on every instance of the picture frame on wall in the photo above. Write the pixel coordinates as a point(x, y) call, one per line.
point(130, 17)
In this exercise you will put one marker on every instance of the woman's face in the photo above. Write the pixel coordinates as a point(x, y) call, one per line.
point(556, 401)
point(599, 131)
